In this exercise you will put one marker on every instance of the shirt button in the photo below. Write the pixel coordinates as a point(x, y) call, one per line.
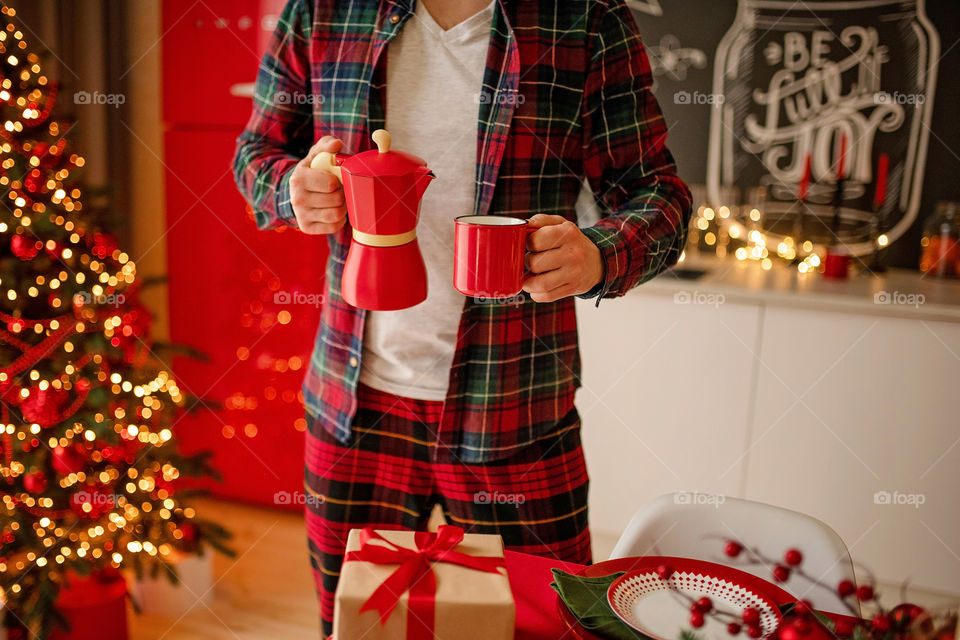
point(353, 361)
point(395, 18)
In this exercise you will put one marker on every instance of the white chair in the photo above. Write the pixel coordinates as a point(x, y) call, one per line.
point(696, 525)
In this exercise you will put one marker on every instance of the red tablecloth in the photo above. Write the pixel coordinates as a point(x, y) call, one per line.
point(530, 580)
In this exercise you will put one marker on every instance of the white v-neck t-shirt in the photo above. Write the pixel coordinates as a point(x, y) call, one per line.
point(434, 78)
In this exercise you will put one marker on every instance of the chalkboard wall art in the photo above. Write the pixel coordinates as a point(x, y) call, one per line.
point(750, 87)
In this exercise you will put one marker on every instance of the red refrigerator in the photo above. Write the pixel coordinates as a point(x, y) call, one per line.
point(233, 289)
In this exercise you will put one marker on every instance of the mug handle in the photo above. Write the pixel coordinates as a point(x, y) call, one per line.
point(527, 231)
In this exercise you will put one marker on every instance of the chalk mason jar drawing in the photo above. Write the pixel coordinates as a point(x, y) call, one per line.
point(797, 77)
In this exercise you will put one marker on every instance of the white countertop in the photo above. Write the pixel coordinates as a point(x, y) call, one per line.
point(898, 292)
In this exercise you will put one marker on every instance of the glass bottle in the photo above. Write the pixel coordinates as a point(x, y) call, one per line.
point(940, 243)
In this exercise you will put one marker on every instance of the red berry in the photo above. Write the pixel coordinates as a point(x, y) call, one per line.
point(793, 557)
point(802, 607)
point(750, 616)
point(664, 571)
point(916, 611)
point(704, 605)
point(880, 623)
point(846, 588)
point(781, 573)
point(865, 592)
point(696, 619)
point(753, 630)
point(732, 548)
point(733, 628)
point(843, 628)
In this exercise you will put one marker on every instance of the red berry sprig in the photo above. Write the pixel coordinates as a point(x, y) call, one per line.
point(801, 623)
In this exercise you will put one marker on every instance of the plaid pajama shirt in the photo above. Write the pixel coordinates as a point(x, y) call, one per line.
point(565, 98)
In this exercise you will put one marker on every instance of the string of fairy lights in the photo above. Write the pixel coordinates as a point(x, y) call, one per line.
point(721, 231)
point(130, 508)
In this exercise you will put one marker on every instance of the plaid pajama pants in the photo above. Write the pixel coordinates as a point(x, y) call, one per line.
point(389, 477)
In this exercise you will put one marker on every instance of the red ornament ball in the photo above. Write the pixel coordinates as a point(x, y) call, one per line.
point(35, 482)
point(67, 460)
point(43, 406)
point(23, 247)
point(781, 573)
point(733, 628)
point(750, 615)
point(754, 631)
point(732, 548)
point(104, 245)
point(865, 592)
point(903, 615)
point(34, 182)
point(793, 557)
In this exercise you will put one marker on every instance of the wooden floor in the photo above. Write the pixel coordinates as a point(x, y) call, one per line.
point(265, 592)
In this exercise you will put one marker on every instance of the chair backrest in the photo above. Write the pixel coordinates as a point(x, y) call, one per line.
point(696, 525)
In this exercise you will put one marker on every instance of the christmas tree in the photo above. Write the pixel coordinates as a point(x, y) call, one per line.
point(90, 476)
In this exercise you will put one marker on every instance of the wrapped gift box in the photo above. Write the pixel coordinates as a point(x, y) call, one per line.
point(467, 602)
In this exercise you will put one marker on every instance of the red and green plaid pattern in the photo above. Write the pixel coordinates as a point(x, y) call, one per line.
point(393, 473)
point(566, 97)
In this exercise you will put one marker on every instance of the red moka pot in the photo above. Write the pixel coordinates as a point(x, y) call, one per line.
point(384, 270)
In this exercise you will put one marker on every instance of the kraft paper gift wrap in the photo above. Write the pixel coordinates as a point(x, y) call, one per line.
point(468, 603)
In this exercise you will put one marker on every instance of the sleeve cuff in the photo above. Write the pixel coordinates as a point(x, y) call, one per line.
point(606, 240)
point(284, 206)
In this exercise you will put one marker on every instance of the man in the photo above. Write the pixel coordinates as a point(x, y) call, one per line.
point(460, 402)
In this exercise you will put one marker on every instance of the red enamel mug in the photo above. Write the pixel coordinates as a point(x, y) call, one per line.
point(489, 254)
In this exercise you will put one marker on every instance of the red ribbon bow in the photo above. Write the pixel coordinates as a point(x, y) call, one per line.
point(415, 573)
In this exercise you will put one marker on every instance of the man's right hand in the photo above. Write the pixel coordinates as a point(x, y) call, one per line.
point(317, 196)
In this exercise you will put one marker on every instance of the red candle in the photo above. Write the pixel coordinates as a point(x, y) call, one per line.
point(805, 180)
point(842, 163)
point(880, 197)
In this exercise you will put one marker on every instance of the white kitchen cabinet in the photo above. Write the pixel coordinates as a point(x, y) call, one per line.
point(665, 401)
point(813, 395)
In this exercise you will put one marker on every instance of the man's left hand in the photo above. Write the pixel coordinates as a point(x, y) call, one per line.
point(564, 262)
